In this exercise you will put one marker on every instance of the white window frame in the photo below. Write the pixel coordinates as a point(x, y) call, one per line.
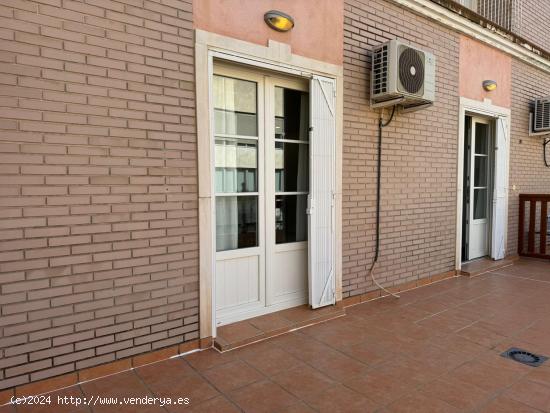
point(278, 57)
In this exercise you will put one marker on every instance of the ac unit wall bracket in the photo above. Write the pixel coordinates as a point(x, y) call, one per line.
point(402, 108)
point(414, 108)
point(387, 103)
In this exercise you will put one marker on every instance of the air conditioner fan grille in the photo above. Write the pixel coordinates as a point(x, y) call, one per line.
point(411, 70)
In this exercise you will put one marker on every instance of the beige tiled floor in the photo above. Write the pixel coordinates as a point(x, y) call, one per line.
point(434, 350)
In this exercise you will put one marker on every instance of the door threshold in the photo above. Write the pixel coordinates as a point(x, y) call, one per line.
point(242, 333)
point(482, 265)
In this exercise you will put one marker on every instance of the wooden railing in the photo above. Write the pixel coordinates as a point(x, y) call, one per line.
point(535, 231)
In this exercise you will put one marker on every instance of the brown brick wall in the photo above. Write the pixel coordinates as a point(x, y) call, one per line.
point(527, 170)
point(98, 219)
point(419, 156)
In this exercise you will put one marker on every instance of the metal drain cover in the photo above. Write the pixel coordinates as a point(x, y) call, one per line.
point(524, 357)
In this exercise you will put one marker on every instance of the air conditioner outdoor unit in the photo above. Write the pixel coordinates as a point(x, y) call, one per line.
point(402, 75)
point(541, 115)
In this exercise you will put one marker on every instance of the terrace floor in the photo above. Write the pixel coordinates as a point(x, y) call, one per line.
point(436, 349)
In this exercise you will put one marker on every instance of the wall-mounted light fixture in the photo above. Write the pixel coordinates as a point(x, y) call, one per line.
point(489, 85)
point(279, 21)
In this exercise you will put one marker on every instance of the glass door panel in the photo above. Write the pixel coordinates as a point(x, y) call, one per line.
point(236, 162)
point(291, 147)
point(288, 188)
point(290, 218)
point(480, 179)
point(236, 222)
point(481, 170)
point(236, 165)
point(480, 203)
point(291, 114)
point(291, 166)
point(235, 106)
point(238, 131)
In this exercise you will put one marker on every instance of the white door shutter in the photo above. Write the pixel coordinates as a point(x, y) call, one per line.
point(500, 193)
point(321, 209)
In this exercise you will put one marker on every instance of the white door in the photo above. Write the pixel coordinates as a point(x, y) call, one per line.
point(238, 126)
point(480, 188)
point(260, 125)
point(287, 160)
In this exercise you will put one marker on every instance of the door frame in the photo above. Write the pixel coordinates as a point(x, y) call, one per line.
point(277, 57)
point(492, 112)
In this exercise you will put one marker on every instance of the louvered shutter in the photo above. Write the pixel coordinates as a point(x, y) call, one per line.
point(321, 208)
point(500, 193)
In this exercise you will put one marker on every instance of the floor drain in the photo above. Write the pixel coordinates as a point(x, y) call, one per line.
point(524, 357)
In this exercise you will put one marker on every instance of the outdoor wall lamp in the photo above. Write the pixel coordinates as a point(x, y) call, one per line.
point(489, 85)
point(279, 21)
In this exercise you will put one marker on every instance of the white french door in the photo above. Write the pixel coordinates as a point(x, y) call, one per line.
point(480, 179)
point(261, 133)
point(239, 145)
point(287, 189)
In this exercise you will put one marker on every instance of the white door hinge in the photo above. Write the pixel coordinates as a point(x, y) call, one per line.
point(310, 206)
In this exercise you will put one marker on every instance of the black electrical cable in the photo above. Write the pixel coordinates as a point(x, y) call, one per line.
point(546, 142)
point(381, 125)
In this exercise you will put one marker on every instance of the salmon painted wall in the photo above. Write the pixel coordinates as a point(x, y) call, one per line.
point(318, 31)
point(479, 62)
